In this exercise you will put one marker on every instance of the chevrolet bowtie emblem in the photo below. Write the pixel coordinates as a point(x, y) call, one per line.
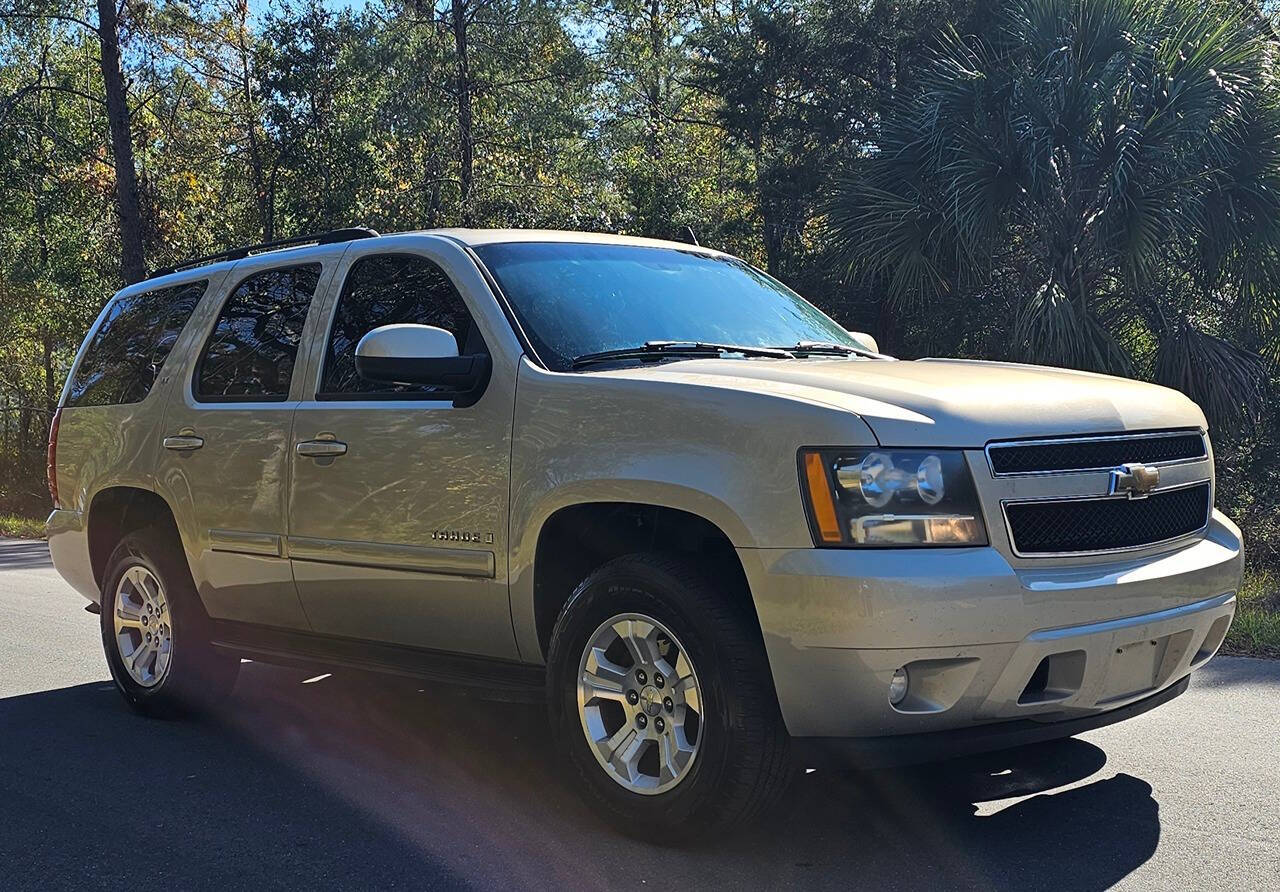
point(1133, 479)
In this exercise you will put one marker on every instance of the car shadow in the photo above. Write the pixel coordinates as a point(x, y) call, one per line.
point(24, 554)
point(366, 781)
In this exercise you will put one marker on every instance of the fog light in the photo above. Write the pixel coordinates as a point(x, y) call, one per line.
point(898, 686)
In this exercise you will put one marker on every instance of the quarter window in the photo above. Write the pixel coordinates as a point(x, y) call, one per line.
point(386, 289)
point(251, 353)
point(129, 348)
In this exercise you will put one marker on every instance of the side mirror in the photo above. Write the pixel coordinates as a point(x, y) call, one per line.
point(419, 354)
point(865, 340)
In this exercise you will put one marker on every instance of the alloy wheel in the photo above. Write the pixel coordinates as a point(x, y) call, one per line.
point(143, 626)
point(640, 703)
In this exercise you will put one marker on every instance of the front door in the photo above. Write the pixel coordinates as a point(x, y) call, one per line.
point(398, 505)
point(224, 460)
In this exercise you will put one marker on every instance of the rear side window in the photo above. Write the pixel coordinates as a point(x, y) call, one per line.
point(385, 289)
point(253, 347)
point(129, 348)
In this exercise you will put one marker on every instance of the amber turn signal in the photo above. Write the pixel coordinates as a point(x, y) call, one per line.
point(824, 507)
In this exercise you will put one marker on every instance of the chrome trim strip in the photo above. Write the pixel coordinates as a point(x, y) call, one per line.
point(1100, 438)
point(1203, 555)
point(1037, 555)
point(241, 542)
point(1128, 622)
point(413, 558)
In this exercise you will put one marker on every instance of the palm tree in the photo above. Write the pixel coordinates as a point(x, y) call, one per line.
point(1099, 180)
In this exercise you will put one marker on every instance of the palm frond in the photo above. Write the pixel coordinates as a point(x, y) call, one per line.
point(1229, 382)
point(1052, 330)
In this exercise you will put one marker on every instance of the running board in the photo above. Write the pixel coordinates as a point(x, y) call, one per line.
point(490, 679)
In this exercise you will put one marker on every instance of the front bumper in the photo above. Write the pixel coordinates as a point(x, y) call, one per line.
point(983, 641)
point(909, 749)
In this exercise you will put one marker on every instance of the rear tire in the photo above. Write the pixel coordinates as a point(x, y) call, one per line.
point(155, 632)
point(694, 753)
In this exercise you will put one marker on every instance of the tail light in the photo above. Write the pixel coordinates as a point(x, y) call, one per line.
point(53, 457)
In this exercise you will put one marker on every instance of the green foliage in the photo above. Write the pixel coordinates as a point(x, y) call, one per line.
point(800, 87)
point(1255, 631)
point(12, 527)
point(1102, 174)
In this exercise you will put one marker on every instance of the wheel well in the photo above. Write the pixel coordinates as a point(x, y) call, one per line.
point(118, 511)
point(578, 539)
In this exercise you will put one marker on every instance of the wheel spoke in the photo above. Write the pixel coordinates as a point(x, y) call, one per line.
point(683, 668)
point(597, 688)
point(163, 655)
point(151, 587)
point(602, 679)
point(639, 639)
point(670, 769)
point(626, 757)
point(137, 659)
point(687, 693)
point(137, 583)
point(627, 632)
point(127, 614)
point(680, 738)
point(610, 747)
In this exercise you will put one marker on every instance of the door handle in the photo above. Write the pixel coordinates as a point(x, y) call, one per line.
point(321, 448)
point(183, 443)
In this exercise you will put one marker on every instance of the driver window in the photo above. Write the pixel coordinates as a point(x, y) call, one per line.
point(385, 289)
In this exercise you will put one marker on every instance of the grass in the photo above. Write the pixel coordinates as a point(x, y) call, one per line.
point(13, 527)
point(1256, 630)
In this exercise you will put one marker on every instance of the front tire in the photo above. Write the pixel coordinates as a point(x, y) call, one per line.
point(155, 631)
point(661, 697)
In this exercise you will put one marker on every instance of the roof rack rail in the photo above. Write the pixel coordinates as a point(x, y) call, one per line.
point(332, 237)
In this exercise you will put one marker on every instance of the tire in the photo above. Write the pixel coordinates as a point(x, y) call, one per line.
point(741, 764)
point(148, 590)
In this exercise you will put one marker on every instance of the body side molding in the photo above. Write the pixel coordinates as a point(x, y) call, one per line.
point(417, 558)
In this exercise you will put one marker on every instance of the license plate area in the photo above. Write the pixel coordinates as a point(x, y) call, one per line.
point(1134, 669)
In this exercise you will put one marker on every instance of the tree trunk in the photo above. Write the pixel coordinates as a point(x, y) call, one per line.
point(466, 140)
point(50, 380)
point(266, 211)
point(771, 227)
point(257, 162)
point(128, 207)
point(772, 240)
point(656, 41)
point(24, 425)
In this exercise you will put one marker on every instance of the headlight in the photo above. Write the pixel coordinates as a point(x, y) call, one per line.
point(890, 497)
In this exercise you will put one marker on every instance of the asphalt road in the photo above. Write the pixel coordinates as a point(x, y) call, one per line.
point(364, 781)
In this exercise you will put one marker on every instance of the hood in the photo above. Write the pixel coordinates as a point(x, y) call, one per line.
point(948, 402)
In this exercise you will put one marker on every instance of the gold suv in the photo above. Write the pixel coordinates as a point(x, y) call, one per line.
point(722, 534)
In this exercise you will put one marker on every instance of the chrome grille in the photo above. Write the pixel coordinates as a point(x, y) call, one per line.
point(1075, 526)
point(1094, 452)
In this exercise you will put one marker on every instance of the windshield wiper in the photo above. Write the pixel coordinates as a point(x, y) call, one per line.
point(808, 348)
point(657, 349)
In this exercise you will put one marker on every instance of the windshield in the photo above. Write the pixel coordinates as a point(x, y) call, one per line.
point(578, 299)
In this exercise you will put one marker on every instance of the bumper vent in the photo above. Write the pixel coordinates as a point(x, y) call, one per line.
point(1113, 524)
point(1094, 453)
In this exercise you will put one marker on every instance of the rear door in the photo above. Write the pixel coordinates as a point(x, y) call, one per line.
point(402, 537)
point(224, 462)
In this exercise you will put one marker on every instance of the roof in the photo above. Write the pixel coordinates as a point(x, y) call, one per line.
point(478, 237)
point(293, 249)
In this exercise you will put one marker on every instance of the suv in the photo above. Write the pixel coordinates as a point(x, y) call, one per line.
point(725, 536)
